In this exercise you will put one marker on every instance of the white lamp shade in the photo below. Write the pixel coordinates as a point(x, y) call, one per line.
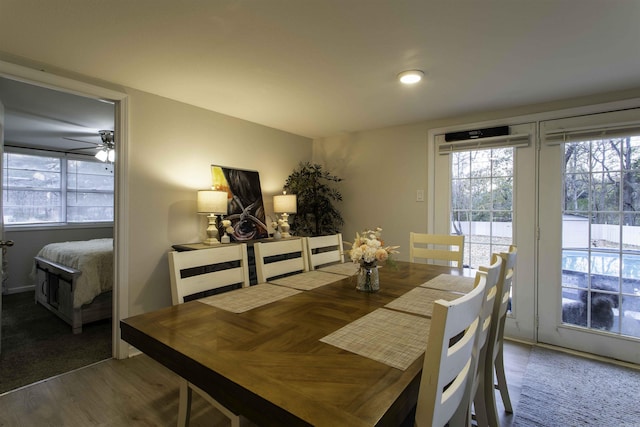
point(284, 203)
point(212, 201)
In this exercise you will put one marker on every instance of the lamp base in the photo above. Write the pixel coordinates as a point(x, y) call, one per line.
point(285, 226)
point(212, 231)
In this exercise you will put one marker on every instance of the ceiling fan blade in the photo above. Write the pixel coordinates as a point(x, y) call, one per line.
point(98, 148)
point(81, 140)
point(28, 115)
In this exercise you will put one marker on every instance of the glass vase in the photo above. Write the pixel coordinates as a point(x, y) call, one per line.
point(368, 279)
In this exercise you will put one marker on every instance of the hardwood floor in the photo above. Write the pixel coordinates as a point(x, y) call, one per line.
point(140, 392)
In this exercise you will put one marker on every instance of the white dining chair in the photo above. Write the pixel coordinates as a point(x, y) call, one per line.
point(280, 258)
point(323, 250)
point(436, 247)
point(193, 274)
point(495, 348)
point(477, 391)
point(443, 396)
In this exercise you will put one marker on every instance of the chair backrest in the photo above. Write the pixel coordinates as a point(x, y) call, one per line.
point(507, 271)
point(280, 258)
point(323, 250)
point(448, 361)
point(442, 247)
point(491, 277)
point(198, 271)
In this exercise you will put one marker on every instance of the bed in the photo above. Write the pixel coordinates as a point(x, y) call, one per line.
point(74, 280)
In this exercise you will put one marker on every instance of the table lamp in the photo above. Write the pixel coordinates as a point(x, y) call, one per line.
point(285, 204)
point(212, 203)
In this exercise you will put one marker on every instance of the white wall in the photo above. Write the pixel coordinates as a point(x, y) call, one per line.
point(171, 148)
point(381, 171)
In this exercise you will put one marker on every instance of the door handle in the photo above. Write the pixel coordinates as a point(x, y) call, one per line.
point(6, 243)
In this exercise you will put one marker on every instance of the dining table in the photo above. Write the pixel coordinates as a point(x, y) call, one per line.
point(306, 350)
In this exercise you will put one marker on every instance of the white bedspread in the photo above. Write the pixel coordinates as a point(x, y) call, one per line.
point(93, 257)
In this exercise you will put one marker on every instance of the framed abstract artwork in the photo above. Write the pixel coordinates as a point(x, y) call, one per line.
point(244, 198)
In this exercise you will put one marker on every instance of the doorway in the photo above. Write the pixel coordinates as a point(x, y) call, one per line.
point(119, 102)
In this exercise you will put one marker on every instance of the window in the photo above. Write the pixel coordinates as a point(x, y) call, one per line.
point(600, 245)
point(482, 191)
point(51, 188)
point(482, 202)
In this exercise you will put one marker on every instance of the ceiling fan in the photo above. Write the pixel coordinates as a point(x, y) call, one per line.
point(106, 149)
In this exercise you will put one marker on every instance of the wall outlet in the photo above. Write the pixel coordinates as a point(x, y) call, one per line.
point(419, 195)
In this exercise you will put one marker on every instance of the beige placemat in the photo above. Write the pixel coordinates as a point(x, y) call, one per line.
point(391, 337)
point(245, 299)
point(420, 300)
point(344, 268)
point(307, 280)
point(447, 282)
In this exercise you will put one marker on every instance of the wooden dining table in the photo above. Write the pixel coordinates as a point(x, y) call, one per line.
point(275, 364)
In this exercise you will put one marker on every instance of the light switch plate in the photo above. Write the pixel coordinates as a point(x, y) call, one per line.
point(419, 195)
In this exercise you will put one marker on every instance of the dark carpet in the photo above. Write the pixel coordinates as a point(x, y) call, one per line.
point(559, 389)
point(37, 345)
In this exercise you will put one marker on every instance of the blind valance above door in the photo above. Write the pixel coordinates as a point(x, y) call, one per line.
point(591, 127)
point(517, 140)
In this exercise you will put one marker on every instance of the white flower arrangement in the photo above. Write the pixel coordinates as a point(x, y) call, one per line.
point(369, 247)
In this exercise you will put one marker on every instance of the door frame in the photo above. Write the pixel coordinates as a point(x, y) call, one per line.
point(522, 325)
point(43, 78)
point(1, 219)
point(551, 329)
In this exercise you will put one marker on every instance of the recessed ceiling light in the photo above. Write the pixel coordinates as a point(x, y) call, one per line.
point(410, 77)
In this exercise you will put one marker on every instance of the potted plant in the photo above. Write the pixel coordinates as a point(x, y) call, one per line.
point(316, 213)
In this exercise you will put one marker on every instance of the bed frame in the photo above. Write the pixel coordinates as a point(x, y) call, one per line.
point(55, 288)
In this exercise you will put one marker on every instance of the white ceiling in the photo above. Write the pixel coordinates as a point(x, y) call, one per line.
point(322, 67)
point(42, 118)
